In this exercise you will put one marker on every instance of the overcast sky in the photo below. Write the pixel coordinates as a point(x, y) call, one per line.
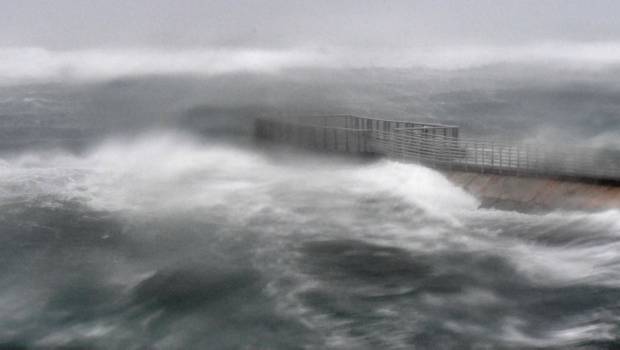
point(42, 40)
point(79, 24)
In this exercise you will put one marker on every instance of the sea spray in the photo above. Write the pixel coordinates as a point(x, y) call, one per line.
point(166, 240)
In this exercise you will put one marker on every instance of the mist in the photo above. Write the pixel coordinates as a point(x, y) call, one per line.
point(38, 65)
point(534, 70)
point(536, 103)
point(139, 209)
point(67, 24)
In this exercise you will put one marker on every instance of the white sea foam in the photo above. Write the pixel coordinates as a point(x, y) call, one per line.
point(586, 248)
point(424, 187)
point(167, 171)
point(35, 64)
point(574, 335)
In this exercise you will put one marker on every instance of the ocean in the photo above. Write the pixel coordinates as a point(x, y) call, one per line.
point(122, 231)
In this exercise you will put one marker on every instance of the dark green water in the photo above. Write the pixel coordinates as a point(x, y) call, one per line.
point(163, 242)
point(112, 237)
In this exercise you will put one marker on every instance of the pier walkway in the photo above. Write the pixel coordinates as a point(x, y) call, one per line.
point(440, 146)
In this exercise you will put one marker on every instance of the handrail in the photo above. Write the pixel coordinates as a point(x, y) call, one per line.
point(440, 146)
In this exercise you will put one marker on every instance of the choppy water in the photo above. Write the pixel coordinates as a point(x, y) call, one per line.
point(168, 242)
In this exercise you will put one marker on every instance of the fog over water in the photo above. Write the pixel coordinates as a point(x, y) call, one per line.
point(138, 212)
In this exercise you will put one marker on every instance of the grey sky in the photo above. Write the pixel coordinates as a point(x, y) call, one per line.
point(70, 24)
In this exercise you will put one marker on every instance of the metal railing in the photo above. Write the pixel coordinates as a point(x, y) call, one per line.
point(439, 146)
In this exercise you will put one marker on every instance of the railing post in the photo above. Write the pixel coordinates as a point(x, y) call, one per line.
point(336, 140)
point(435, 145)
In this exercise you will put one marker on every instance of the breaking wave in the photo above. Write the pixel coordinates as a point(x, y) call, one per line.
point(35, 64)
point(166, 241)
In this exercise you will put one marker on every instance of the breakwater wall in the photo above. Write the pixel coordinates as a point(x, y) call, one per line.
point(532, 194)
point(502, 174)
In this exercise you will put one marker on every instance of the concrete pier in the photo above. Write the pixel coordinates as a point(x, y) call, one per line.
point(528, 194)
point(534, 175)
